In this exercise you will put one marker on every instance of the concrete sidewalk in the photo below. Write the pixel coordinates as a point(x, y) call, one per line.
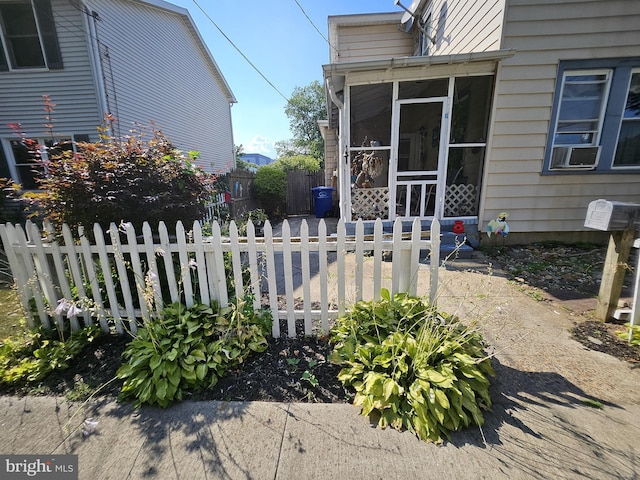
point(543, 423)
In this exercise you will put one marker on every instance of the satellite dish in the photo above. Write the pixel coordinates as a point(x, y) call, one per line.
point(409, 12)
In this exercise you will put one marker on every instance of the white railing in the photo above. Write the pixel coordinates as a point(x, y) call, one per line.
point(121, 277)
point(213, 209)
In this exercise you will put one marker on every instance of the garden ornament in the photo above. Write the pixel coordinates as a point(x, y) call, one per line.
point(499, 225)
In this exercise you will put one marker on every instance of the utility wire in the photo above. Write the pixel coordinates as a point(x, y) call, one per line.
point(240, 52)
point(314, 26)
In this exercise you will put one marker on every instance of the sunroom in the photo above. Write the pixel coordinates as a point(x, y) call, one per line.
point(412, 135)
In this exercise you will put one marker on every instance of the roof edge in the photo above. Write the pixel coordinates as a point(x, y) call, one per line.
point(403, 62)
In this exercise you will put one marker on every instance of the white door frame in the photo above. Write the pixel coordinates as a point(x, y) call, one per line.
point(440, 173)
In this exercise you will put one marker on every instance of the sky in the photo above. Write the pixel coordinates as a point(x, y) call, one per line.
point(284, 46)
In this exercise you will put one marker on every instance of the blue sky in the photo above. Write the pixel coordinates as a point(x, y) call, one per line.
point(280, 41)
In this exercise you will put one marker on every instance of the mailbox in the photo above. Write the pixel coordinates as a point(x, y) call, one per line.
point(609, 216)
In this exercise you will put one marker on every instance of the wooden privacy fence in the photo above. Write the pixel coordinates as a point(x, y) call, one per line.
point(299, 195)
point(121, 277)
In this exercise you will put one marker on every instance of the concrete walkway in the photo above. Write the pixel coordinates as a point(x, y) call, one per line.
point(543, 423)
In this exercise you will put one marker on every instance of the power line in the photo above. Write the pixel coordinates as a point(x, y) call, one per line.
point(240, 52)
point(314, 26)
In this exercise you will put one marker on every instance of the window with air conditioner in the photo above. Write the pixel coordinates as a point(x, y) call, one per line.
point(595, 121)
point(576, 143)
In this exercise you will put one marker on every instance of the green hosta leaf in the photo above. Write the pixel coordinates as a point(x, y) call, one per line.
point(385, 295)
point(155, 362)
point(390, 387)
point(189, 375)
point(435, 377)
point(373, 383)
point(367, 405)
point(174, 376)
point(161, 389)
point(198, 355)
point(193, 326)
point(171, 354)
point(201, 371)
point(441, 398)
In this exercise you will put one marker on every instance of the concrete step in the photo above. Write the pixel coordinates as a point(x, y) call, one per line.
point(454, 245)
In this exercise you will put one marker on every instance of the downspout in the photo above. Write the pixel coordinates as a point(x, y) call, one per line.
point(96, 63)
point(344, 177)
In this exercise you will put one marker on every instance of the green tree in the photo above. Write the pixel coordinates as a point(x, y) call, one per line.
point(297, 162)
point(306, 106)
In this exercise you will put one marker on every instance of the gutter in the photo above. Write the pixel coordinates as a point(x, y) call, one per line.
point(425, 61)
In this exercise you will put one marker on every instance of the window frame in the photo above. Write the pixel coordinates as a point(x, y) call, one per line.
point(634, 71)
point(47, 39)
point(614, 104)
point(596, 134)
point(14, 168)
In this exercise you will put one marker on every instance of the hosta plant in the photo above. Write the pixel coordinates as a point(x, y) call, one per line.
point(188, 349)
point(29, 358)
point(412, 367)
point(632, 334)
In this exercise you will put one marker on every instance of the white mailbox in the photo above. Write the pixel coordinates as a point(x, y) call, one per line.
point(609, 216)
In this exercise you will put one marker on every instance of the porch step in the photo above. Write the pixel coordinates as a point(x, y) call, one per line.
point(454, 246)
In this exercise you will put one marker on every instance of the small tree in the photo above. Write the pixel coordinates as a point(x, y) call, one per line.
point(270, 187)
point(306, 106)
point(297, 162)
point(134, 181)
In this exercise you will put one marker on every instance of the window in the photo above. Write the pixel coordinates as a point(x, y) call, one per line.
point(580, 118)
point(628, 148)
point(26, 168)
point(425, 38)
point(28, 35)
point(596, 117)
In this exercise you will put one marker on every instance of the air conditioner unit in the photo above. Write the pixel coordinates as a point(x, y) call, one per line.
point(575, 157)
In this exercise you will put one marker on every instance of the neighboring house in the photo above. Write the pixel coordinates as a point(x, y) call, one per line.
point(143, 62)
point(462, 110)
point(256, 158)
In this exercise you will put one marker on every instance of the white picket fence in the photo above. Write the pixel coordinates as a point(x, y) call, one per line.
point(122, 277)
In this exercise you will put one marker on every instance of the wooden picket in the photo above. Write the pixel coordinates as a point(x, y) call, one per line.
point(121, 277)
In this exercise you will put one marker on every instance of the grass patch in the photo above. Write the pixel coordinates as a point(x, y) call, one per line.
point(10, 313)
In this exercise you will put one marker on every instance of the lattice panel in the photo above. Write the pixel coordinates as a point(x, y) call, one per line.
point(460, 200)
point(370, 203)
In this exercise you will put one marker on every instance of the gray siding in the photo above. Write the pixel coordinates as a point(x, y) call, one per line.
point(545, 32)
point(158, 73)
point(71, 88)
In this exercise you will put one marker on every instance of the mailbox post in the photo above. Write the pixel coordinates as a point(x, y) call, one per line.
point(622, 220)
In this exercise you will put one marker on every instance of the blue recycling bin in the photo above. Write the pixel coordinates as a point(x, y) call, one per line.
point(322, 200)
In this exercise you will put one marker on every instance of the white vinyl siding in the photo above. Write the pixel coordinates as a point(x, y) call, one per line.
point(159, 74)
point(545, 32)
point(70, 88)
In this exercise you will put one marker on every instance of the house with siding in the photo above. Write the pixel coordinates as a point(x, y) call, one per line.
point(140, 61)
point(462, 110)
